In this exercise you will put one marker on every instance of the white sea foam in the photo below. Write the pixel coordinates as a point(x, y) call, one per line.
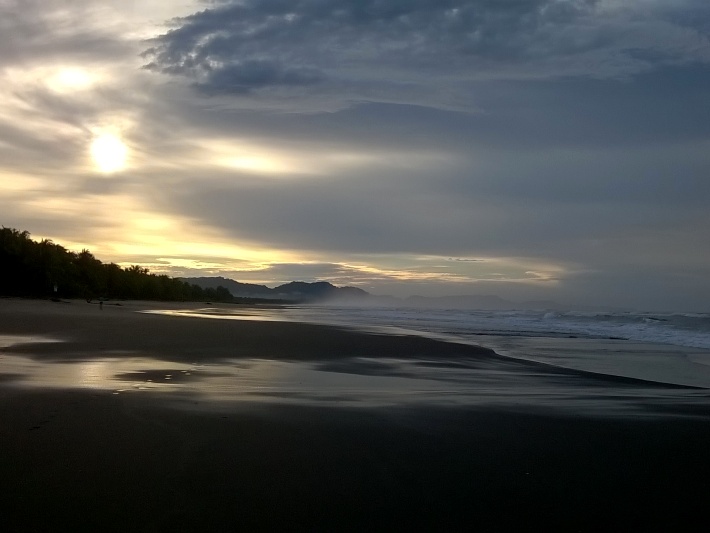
point(690, 330)
point(671, 348)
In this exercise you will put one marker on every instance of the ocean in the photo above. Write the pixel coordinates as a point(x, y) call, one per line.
point(672, 348)
point(669, 348)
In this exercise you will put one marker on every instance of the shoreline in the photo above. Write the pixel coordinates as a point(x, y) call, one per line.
point(86, 330)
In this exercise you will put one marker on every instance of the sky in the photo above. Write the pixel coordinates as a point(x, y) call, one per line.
point(531, 149)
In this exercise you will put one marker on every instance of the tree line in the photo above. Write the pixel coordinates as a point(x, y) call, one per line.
point(42, 269)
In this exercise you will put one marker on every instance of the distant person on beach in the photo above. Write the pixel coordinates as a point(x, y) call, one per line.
point(101, 305)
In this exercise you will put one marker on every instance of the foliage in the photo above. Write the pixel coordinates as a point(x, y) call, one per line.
point(35, 269)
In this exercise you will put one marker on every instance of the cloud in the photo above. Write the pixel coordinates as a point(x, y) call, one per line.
point(430, 146)
point(60, 30)
point(68, 68)
point(426, 51)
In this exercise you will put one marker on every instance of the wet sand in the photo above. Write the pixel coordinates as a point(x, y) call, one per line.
point(87, 331)
point(92, 460)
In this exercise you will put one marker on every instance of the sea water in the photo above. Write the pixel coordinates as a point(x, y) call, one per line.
point(670, 348)
point(679, 329)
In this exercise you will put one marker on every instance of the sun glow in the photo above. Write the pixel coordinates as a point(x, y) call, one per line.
point(71, 79)
point(109, 153)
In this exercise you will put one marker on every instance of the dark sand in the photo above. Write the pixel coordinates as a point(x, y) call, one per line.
point(90, 460)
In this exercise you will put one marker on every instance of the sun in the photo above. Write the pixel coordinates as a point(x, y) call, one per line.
point(109, 153)
point(71, 80)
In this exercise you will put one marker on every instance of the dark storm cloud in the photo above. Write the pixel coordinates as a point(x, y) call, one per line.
point(669, 104)
point(389, 50)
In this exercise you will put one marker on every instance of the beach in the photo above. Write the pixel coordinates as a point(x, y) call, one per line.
point(535, 447)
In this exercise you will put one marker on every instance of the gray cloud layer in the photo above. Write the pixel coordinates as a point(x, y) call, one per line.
point(65, 30)
point(424, 50)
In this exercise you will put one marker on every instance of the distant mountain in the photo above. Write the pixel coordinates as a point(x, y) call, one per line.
point(294, 291)
point(241, 290)
point(322, 291)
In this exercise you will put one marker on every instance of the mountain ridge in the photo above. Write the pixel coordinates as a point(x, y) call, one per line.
point(292, 291)
point(303, 291)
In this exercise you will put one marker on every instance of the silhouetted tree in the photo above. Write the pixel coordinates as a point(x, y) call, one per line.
point(33, 269)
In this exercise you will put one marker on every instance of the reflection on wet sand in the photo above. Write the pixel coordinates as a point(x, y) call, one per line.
point(261, 314)
point(357, 381)
point(608, 356)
